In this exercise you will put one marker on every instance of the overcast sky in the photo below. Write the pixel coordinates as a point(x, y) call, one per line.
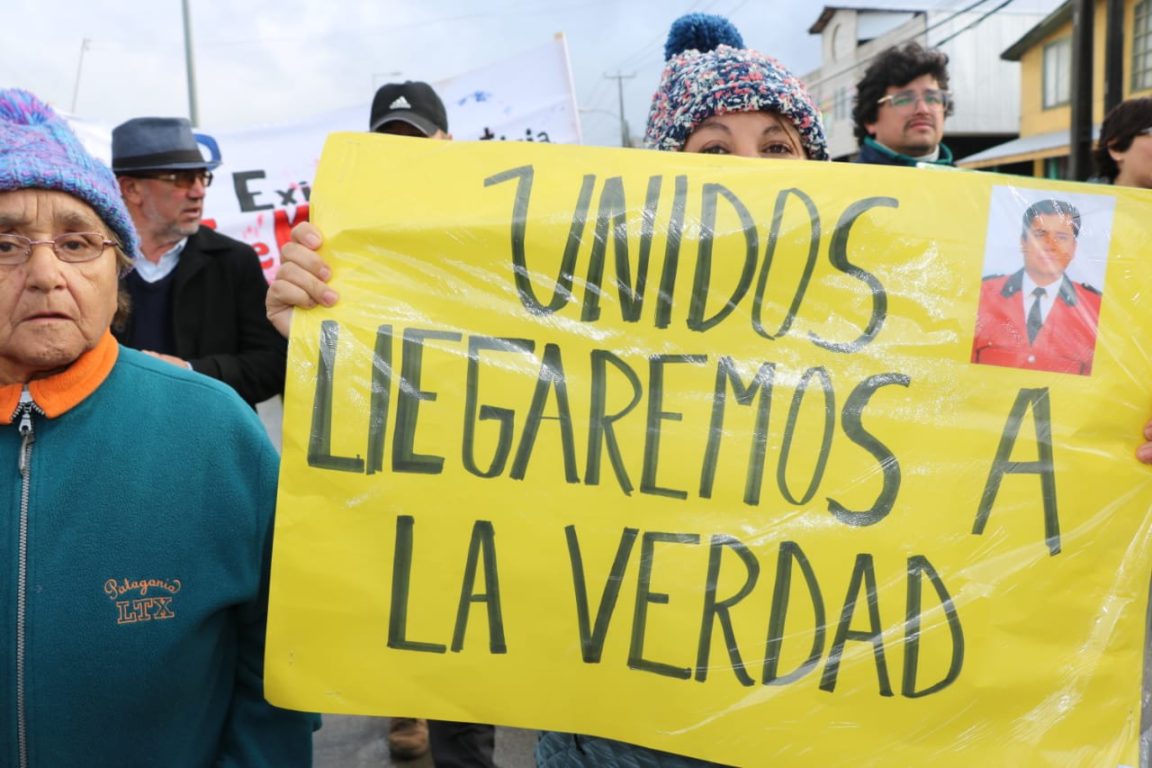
point(263, 61)
point(259, 61)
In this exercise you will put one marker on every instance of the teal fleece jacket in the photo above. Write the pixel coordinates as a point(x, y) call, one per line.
point(135, 584)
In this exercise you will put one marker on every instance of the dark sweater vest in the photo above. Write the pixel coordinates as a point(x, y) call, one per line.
point(150, 320)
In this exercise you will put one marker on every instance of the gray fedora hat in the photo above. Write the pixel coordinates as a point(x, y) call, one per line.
point(159, 144)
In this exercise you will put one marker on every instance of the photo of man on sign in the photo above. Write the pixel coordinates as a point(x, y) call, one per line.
point(1037, 317)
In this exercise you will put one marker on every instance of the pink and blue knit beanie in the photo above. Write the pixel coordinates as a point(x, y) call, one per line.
point(710, 72)
point(39, 151)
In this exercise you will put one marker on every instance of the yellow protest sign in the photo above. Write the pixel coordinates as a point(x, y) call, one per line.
point(752, 461)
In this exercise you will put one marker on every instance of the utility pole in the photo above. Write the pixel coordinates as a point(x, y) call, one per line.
point(1080, 138)
point(625, 137)
point(190, 65)
point(79, 69)
point(1114, 56)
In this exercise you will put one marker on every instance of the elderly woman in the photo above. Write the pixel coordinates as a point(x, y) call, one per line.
point(1123, 154)
point(138, 513)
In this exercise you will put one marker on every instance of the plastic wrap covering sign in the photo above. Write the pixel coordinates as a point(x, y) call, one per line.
point(750, 461)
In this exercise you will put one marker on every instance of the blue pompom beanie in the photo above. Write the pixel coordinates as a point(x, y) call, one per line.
point(39, 151)
point(710, 72)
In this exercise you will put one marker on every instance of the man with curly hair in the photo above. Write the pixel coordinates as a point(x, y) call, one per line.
point(901, 103)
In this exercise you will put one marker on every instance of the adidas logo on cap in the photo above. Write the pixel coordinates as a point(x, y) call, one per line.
point(410, 102)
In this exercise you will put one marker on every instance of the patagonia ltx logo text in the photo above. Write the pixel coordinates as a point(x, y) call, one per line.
point(139, 600)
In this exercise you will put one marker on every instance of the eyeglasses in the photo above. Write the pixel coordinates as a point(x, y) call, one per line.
point(73, 248)
point(932, 98)
point(180, 179)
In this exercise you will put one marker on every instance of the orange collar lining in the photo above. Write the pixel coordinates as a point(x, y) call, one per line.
point(61, 392)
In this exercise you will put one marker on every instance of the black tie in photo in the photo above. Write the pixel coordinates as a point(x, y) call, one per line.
point(1035, 320)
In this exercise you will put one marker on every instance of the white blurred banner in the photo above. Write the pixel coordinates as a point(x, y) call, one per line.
point(262, 188)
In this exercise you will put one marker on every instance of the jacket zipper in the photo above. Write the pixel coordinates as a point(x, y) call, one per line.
point(24, 411)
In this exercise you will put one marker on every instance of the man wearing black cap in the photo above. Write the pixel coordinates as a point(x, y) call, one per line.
point(413, 109)
point(409, 109)
point(197, 296)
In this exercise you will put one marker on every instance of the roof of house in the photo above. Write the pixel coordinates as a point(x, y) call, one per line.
point(1024, 148)
point(934, 7)
point(1053, 21)
point(830, 10)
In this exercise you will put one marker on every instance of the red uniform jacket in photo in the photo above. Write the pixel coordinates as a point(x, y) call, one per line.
point(1066, 341)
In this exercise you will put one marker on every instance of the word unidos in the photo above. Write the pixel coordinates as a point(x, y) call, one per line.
point(610, 228)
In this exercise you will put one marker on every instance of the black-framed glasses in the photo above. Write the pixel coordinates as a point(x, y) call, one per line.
point(180, 179)
point(933, 97)
point(74, 247)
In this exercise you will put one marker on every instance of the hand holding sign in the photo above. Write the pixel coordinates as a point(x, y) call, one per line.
point(301, 280)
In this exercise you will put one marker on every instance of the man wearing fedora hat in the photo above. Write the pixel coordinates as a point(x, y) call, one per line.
point(197, 296)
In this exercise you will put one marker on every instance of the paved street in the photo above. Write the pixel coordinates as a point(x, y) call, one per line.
point(360, 742)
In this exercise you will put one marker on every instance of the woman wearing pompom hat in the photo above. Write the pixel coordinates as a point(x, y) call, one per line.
point(716, 96)
point(138, 525)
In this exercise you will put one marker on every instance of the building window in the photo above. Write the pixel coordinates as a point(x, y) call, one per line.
point(1142, 46)
point(842, 104)
point(1056, 167)
point(1058, 73)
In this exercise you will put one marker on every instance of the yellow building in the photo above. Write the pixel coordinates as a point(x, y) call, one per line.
point(1045, 56)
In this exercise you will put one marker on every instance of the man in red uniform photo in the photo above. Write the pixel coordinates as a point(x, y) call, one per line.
point(1037, 318)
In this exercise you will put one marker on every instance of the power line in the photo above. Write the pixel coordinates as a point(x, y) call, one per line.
point(936, 25)
point(974, 23)
point(658, 41)
point(596, 94)
point(633, 59)
point(342, 35)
